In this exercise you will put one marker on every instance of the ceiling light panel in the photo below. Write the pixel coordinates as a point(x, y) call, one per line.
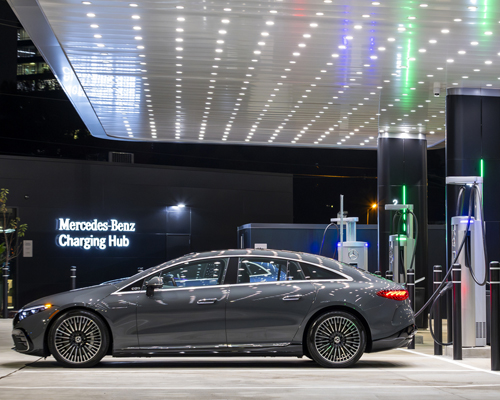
point(202, 71)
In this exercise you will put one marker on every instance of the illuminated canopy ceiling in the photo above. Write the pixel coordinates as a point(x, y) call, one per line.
point(321, 73)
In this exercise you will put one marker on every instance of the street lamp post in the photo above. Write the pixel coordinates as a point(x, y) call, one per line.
point(374, 206)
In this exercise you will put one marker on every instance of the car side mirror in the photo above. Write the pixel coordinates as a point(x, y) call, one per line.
point(155, 282)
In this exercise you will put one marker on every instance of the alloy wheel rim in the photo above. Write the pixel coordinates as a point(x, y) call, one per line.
point(337, 339)
point(78, 339)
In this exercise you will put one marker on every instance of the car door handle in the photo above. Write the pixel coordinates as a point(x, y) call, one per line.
point(292, 297)
point(206, 301)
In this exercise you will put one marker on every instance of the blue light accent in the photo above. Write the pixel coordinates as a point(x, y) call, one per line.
point(366, 244)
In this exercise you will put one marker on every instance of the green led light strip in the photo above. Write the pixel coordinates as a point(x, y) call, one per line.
point(404, 211)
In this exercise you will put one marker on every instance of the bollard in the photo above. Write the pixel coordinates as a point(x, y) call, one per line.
point(410, 283)
point(438, 322)
point(378, 273)
point(73, 277)
point(457, 311)
point(449, 312)
point(5, 300)
point(389, 275)
point(495, 317)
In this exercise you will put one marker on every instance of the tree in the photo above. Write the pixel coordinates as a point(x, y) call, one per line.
point(11, 229)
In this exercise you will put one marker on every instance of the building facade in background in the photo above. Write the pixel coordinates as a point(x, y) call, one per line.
point(33, 73)
point(109, 219)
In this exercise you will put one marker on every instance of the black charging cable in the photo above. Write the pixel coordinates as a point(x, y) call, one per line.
point(448, 273)
point(448, 286)
point(323, 240)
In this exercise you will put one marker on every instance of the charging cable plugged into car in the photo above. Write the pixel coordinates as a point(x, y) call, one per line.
point(469, 253)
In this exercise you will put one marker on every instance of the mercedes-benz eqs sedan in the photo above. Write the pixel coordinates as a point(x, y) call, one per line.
point(230, 302)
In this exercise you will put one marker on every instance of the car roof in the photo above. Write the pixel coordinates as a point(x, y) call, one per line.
point(292, 255)
point(287, 254)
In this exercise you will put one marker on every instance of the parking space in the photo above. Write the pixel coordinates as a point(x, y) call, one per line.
point(384, 375)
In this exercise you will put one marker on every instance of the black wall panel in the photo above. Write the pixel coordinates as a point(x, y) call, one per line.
point(217, 202)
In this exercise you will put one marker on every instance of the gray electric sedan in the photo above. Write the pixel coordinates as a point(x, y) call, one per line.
point(223, 303)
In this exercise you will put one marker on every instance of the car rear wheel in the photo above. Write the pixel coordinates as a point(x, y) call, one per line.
point(78, 339)
point(336, 339)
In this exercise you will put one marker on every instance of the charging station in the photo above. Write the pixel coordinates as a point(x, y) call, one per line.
point(472, 259)
point(351, 251)
point(401, 245)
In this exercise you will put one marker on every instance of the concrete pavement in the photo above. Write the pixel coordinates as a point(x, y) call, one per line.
point(387, 375)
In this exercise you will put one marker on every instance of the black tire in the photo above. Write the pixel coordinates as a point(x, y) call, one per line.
point(336, 339)
point(78, 339)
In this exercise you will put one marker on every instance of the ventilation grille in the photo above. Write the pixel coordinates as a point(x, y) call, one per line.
point(127, 158)
point(480, 330)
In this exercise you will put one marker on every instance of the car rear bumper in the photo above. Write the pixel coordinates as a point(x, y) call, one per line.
point(400, 339)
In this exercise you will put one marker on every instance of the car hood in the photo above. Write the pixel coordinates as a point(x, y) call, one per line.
point(88, 297)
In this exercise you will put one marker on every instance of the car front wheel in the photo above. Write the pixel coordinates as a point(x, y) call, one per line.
point(78, 339)
point(336, 339)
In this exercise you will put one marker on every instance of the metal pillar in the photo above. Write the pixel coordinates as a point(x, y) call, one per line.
point(472, 143)
point(402, 176)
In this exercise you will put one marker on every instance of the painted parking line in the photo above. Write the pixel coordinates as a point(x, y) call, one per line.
point(441, 358)
point(253, 388)
point(150, 370)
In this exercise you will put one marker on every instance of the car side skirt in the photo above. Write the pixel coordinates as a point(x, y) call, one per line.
point(239, 351)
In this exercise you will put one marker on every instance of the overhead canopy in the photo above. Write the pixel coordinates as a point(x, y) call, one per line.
point(269, 72)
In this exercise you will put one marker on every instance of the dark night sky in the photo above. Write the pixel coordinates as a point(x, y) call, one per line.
point(45, 124)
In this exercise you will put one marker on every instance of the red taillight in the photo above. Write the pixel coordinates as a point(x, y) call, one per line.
point(399, 295)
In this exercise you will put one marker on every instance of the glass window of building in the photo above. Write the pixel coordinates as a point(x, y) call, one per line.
point(27, 51)
point(22, 35)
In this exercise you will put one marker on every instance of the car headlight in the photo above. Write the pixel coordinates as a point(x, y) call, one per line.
point(26, 312)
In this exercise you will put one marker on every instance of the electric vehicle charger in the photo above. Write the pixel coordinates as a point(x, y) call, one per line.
point(444, 285)
point(399, 214)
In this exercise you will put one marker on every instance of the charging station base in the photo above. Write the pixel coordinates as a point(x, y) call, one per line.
point(469, 352)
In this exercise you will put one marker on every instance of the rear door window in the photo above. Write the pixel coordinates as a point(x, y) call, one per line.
point(314, 272)
point(252, 270)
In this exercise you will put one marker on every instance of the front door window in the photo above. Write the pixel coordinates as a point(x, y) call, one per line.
point(194, 274)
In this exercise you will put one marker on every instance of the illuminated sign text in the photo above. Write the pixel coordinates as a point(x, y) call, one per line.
point(92, 241)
